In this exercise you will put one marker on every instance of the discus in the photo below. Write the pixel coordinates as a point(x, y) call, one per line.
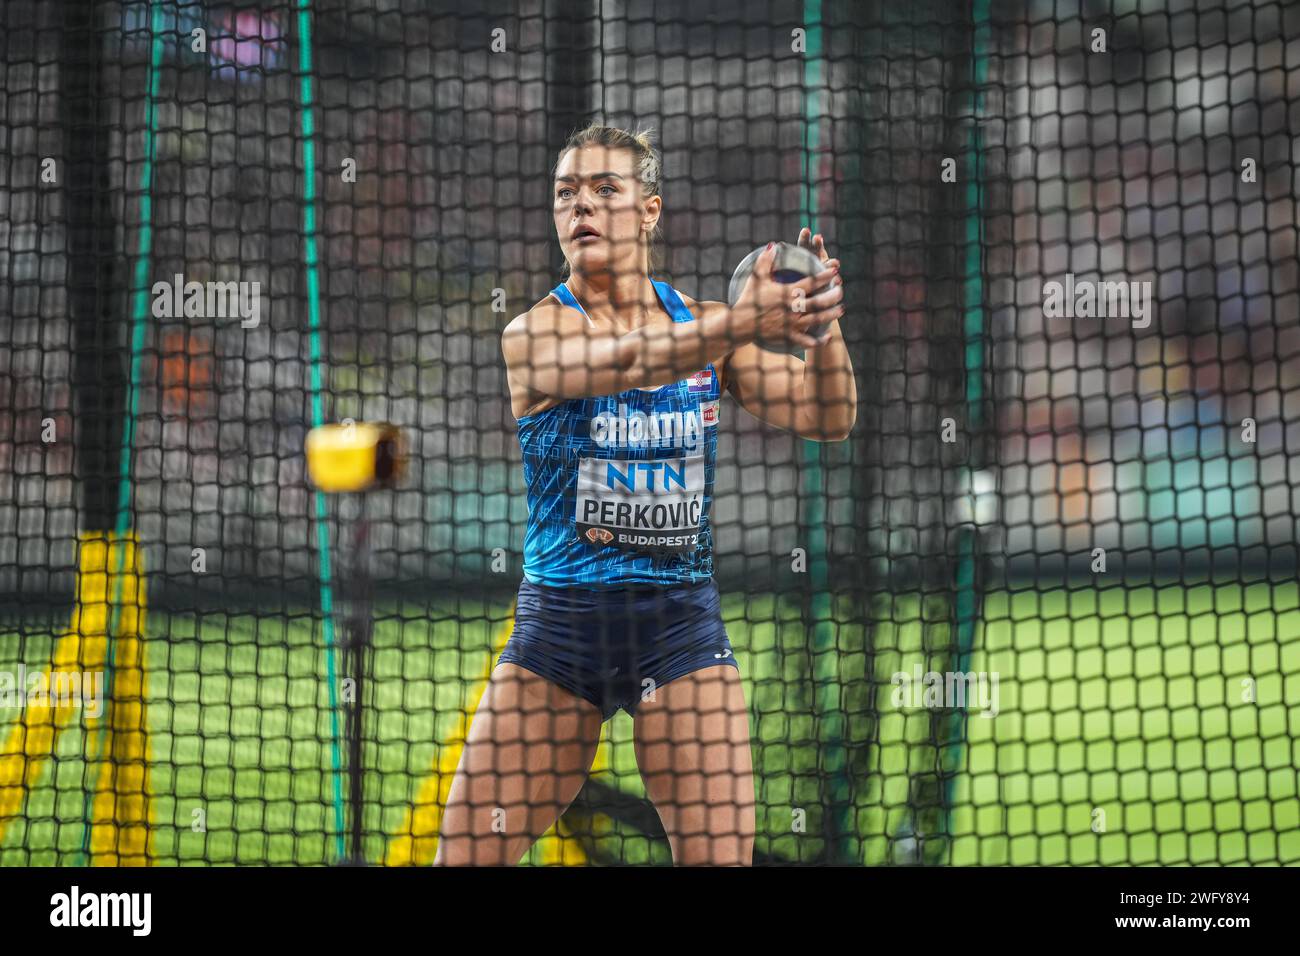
point(792, 263)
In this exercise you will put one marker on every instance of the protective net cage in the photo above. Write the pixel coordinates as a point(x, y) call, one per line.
point(1039, 607)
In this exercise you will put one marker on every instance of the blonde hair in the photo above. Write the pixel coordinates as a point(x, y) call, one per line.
point(646, 161)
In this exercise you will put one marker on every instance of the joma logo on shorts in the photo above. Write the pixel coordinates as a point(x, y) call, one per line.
point(648, 430)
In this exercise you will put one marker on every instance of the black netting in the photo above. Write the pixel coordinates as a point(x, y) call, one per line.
point(1038, 607)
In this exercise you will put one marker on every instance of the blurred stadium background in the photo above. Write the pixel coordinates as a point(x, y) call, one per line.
point(1147, 713)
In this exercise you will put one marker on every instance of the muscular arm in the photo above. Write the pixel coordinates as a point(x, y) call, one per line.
point(816, 399)
point(553, 350)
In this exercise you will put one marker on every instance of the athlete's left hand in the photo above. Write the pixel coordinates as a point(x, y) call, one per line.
point(815, 244)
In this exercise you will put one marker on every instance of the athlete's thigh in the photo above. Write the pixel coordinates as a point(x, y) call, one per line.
point(693, 749)
point(528, 752)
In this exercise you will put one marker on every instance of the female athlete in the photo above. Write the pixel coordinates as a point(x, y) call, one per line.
point(616, 380)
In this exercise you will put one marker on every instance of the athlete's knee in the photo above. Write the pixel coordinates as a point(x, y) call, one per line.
point(734, 848)
point(489, 836)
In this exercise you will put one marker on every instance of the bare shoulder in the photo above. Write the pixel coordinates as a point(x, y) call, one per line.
point(519, 345)
point(700, 309)
point(528, 334)
point(544, 317)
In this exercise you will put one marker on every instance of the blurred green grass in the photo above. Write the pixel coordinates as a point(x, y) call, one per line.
point(1127, 701)
point(1122, 700)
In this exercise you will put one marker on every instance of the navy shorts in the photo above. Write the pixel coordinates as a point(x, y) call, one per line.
point(610, 646)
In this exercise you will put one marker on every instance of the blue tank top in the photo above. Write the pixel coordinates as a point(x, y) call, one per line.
point(620, 486)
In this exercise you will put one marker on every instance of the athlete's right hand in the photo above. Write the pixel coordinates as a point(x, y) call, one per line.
point(779, 312)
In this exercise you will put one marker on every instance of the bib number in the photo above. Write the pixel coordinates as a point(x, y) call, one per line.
point(654, 507)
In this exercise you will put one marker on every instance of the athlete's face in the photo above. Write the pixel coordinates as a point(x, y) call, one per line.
point(601, 218)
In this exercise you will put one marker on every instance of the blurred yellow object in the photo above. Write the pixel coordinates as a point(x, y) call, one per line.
point(355, 456)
